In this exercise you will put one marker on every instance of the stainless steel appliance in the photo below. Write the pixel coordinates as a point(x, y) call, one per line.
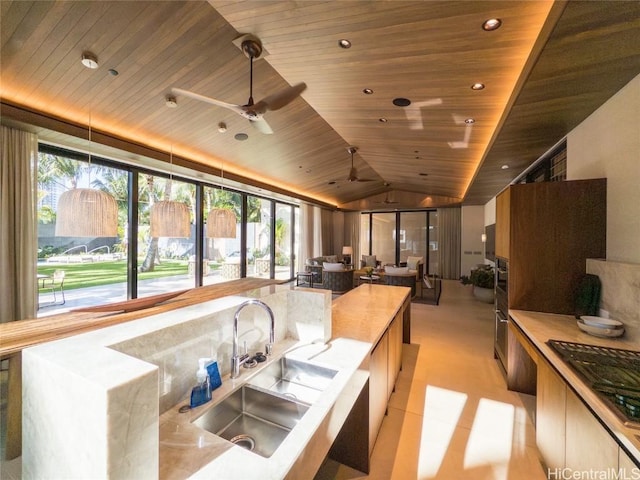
point(611, 372)
point(502, 311)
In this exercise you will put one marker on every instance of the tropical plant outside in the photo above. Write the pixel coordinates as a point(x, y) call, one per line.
point(153, 261)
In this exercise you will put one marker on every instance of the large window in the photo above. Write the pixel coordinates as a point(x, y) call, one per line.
point(259, 236)
point(394, 236)
point(98, 270)
point(99, 263)
point(413, 235)
point(166, 256)
point(283, 241)
point(222, 249)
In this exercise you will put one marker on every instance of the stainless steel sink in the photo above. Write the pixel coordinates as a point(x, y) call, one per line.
point(295, 379)
point(253, 419)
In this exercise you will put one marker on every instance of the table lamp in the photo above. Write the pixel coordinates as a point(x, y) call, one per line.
point(346, 254)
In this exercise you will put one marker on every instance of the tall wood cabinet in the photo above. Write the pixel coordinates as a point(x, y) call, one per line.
point(546, 231)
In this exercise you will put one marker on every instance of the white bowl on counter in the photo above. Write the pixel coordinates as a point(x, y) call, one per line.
point(601, 322)
point(601, 327)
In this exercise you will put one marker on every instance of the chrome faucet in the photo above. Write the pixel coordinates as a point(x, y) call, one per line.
point(238, 360)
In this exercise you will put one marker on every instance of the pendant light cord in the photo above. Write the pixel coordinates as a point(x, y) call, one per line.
point(90, 148)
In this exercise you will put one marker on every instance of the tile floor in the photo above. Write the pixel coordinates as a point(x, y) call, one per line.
point(451, 416)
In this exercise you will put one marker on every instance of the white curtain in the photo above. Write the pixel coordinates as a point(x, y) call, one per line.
point(326, 233)
point(306, 235)
point(352, 234)
point(18, 225)
point(449, 242)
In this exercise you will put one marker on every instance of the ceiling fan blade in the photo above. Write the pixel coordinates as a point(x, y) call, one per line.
point(278, 100)
point(262, 126)
point(196, 96)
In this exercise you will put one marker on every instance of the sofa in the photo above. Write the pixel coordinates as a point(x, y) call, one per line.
point(408, 274)
point(314, 265)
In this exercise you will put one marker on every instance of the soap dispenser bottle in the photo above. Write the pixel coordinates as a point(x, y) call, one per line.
point(201, 393)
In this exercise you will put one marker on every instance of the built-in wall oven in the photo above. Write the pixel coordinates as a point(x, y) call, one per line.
point(502, 311)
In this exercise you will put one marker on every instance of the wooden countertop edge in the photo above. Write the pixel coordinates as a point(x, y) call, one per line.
point(628, 437)
point(15, 336)
point(343, 326)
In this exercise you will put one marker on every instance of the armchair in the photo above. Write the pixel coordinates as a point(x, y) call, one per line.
point(401, 276)
point(337, 278)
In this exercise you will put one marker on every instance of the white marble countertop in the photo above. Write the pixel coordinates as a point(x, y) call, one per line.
point(541, 327)
point(359, 319)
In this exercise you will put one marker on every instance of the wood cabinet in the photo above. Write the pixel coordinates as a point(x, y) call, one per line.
point(378, 384)
point(568, 435)
point(550, 416)
point(588, 445)
point(395, 353)
point(351, 447)
point(384, 366)
point(547, 231)
point(626, 464)
point(503, 223)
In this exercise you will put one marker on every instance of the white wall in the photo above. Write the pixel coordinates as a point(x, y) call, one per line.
point(471, 246)
point(607, 144)
point(490, 212)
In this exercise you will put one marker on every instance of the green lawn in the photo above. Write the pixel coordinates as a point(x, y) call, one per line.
point(80, 275)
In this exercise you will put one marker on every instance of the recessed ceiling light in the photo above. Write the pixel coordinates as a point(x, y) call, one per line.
point(367, 91)
point(333, 182)
point(222, 127)
point(491, 24)
point(469, 121)
point(401, 102)
point(113, 72)
point(170, 101)
point(89, 60)
point(505, 167)
point(241, 137)
point(477, 86)
point(382, 120)
point(422, 174)
point(344, 43)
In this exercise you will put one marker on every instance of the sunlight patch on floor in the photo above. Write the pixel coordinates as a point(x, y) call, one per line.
point(491, 438)
point(442, 411)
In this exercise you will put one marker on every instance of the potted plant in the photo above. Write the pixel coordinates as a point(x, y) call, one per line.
point(482, 279)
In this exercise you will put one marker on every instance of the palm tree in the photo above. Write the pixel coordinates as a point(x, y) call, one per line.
point(151, 256)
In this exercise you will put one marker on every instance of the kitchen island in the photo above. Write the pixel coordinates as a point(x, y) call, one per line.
point(119, 389)
point(576, 428)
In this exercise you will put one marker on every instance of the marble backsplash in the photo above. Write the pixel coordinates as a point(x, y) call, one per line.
point(620, 295)
point(175, 350)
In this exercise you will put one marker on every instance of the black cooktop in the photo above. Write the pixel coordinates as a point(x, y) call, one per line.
point(612, 372)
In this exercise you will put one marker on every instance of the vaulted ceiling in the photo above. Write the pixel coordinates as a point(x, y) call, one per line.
point(545, 69)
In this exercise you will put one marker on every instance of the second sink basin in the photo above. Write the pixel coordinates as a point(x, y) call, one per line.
point(295, 379)
point(256, 420)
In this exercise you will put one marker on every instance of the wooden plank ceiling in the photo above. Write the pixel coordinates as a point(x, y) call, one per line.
point(428, 52)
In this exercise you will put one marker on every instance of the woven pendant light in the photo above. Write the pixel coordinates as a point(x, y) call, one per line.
point(221, 223)
point(169, 218)
point(86, 212)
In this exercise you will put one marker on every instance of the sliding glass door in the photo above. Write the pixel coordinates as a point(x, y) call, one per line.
point(394, 236)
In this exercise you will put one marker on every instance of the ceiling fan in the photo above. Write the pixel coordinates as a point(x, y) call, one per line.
point(386, 200)
point(252, 48)
point(353, 173)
